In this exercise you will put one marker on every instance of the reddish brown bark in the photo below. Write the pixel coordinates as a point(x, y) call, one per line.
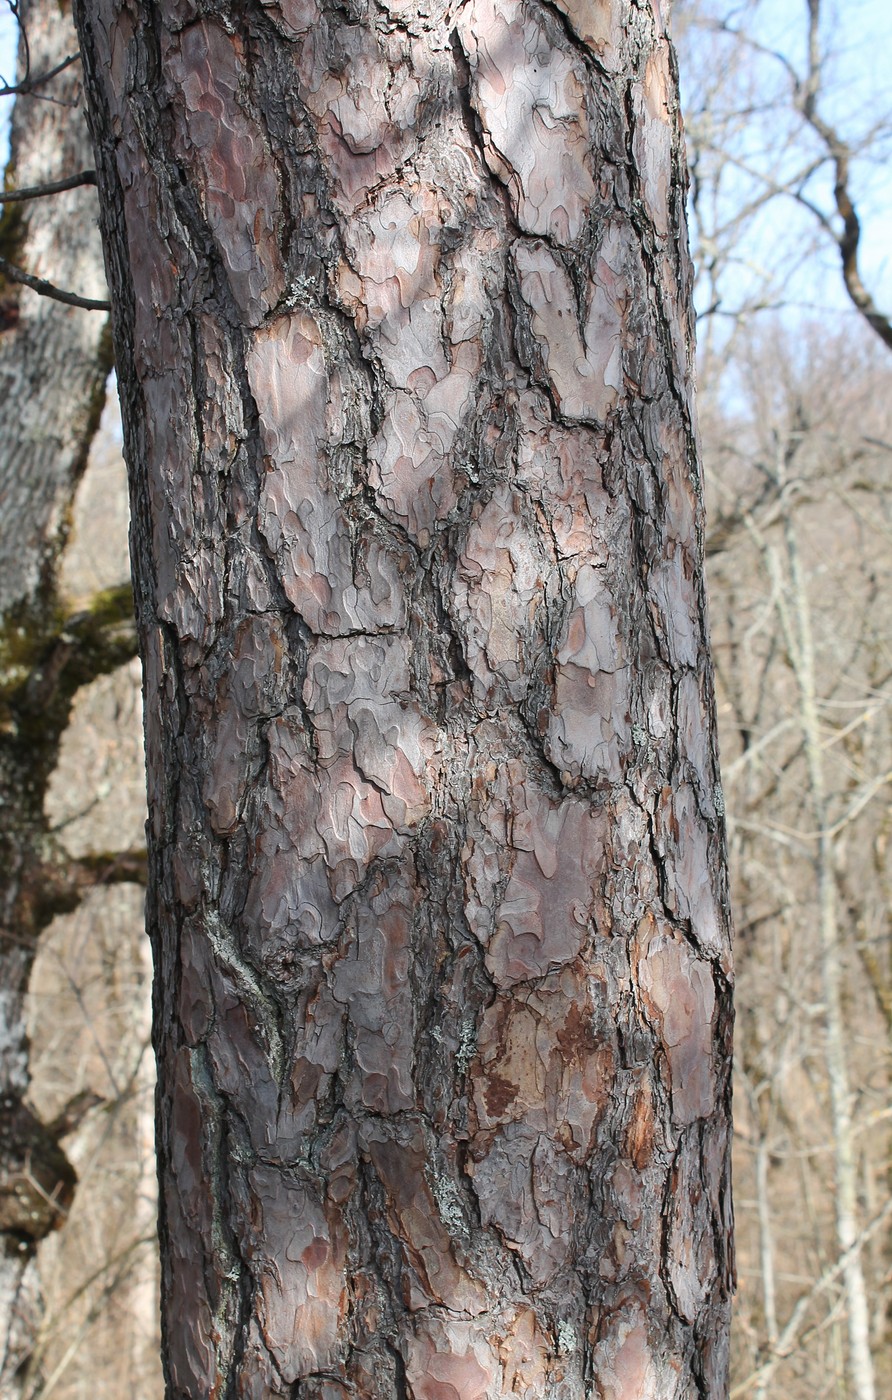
point(438, 902)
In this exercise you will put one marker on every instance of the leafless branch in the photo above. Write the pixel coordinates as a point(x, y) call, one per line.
point(29, 86)
point(73, 182)
point(840, 152)
point(788, 1341)
point(47, 289)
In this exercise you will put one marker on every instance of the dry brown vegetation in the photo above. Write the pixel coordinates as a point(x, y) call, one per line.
point(800, 574)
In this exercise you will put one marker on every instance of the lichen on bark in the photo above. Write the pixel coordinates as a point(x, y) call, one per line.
point(54, 363)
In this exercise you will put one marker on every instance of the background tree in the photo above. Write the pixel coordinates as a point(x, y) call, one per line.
point(788, 139)
point(61, 627)
point(437, 892)
point(794, 432)
point(799, 571)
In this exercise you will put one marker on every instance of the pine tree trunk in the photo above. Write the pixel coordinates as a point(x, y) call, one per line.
point(402, 309)
point(54, 361)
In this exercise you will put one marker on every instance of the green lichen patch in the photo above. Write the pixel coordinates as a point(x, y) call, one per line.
point(25, 633)
point(46, 655)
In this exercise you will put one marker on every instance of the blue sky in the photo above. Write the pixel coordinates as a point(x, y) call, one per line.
point(7, 63)
point(780, 250)
point(8, 33)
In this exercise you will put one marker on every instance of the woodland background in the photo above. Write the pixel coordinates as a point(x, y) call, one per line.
point(796, 418)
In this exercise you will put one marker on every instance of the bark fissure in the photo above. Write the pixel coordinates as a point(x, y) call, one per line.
point(438, 901)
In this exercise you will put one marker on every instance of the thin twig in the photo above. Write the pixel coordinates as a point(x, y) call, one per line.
point(28, 85)
point(85, 177)
point(788, 1341)
point(806, 94)
point(47, 289)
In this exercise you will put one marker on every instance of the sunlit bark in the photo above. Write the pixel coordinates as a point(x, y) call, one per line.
point(443, 978)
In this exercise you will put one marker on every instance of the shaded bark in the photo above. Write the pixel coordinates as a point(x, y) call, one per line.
point(437, 885)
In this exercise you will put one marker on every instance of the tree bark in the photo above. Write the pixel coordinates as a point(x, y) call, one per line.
point(437, 872)
point(54, 362)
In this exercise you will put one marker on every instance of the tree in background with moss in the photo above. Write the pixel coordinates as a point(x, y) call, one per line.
point(55, 358)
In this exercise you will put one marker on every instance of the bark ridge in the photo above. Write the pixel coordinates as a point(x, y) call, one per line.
point(443, 974)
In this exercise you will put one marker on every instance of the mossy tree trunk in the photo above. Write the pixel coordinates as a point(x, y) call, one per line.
point(403, 326)
point(54, 361)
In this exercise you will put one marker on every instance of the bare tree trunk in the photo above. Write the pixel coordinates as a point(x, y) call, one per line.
point(437, 893)
point(848, 1228)
point(54, 361)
